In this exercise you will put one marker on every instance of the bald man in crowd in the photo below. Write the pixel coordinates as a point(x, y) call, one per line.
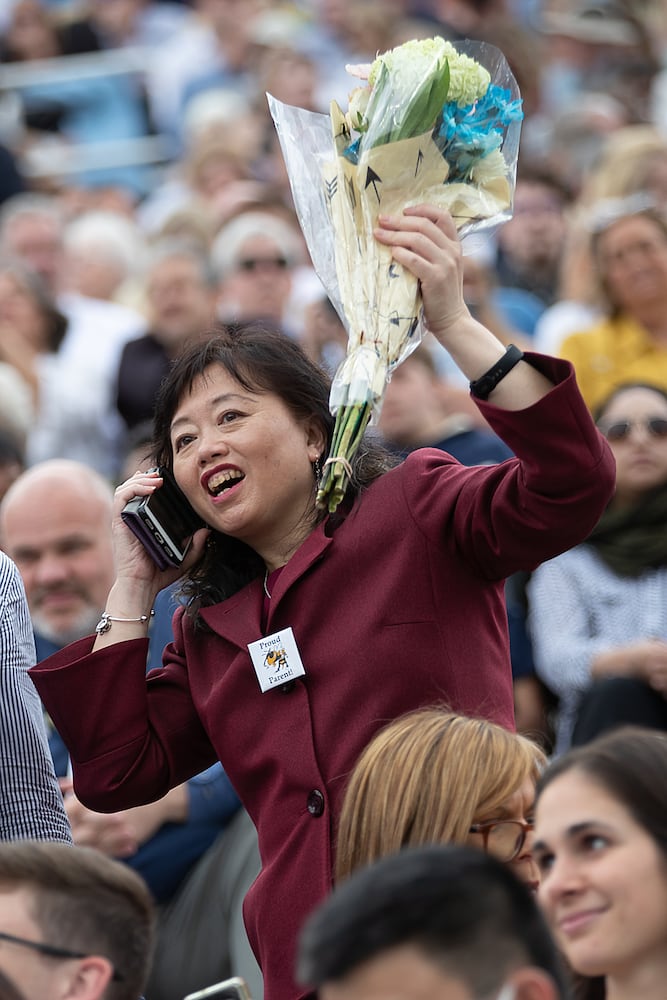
point(195, 847)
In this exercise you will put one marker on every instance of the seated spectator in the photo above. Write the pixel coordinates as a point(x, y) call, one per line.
point(32, 328)
point(598, 613)
point(195, 847)
point(255, 257)
point(12, 460)
point(629, 248)
point(601, 845)
point(104, 252)
point(30, 803)
point(17, 407)
point(511, 312)
point(323, 338)
point(415, 415)
point(631, 161)
point(77, 417)
point(434, 921)
point(531, 243)
point(74, 923)
point(432, 776)
point(180, 296)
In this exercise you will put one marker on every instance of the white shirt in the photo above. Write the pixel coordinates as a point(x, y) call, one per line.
point(31, 805)
point(77, 416)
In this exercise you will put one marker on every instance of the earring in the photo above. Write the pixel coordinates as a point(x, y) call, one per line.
point(317, 470)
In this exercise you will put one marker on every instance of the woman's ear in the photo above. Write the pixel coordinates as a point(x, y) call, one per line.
point(316, 440)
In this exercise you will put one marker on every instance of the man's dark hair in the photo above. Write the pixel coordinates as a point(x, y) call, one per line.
point(464, 910)
point(88, 903)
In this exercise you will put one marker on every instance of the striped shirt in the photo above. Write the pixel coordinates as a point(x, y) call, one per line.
point(31, 805)
point(579, 608)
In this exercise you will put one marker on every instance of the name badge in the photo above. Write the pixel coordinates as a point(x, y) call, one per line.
point(276, 659)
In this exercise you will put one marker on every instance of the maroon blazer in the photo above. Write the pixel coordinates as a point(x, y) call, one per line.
point(397, 605)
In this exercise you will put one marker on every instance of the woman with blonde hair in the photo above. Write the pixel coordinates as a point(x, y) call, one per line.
point(433, 776)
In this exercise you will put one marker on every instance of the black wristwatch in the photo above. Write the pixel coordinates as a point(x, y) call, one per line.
point(482, 387)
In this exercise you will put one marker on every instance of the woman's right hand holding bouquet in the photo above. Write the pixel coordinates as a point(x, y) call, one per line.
point(424, 239)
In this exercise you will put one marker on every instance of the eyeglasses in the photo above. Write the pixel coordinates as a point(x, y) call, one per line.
point(255, 263)
point(51, 950)
point(620, 429)
point(503, 838)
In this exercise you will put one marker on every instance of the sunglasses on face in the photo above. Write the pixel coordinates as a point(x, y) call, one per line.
point(255, 263)
point(621, 429)
point(504, 839)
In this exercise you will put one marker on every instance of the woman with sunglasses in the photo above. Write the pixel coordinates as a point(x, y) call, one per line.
point(598, 613)
point(433, 776)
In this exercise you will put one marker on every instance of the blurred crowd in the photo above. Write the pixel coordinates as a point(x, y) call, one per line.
point(144, 203)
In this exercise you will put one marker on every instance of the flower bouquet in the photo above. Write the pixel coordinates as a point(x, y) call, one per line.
point(433, 123)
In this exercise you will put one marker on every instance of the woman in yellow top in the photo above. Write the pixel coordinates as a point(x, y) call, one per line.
point(629, 247)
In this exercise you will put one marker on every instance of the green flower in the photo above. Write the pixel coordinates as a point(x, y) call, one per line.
point(409, 85)
point(409, 63)
point(468, 80)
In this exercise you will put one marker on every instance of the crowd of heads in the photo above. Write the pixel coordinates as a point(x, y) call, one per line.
point(200, 256)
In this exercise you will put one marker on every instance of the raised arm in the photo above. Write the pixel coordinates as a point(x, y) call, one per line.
point(424, 239)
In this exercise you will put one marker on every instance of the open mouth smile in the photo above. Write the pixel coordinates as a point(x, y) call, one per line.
point(223, 480)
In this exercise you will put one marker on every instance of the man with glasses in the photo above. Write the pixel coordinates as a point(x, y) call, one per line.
point(441, 921)
point(73, 923)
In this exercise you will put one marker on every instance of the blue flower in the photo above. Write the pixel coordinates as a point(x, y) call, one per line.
point(466, 134)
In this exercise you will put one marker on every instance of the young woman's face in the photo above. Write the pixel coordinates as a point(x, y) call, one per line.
point(635, 423)
point(244, 462)
point(516, 807)
point(604, 881)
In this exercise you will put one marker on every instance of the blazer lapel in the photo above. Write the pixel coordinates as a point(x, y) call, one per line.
point(239, 618)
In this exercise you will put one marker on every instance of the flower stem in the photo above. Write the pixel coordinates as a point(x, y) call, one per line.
point(349, 427)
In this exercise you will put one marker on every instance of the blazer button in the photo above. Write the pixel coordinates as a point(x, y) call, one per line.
point(316, 803)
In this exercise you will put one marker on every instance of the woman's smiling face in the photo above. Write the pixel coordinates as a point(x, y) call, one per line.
point(246, 464)
point(603, 879)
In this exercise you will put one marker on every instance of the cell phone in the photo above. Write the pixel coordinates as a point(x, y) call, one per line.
point(164, 522)
point(229, 989)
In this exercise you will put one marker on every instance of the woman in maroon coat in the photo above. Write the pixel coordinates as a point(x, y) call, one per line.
point(307, 632)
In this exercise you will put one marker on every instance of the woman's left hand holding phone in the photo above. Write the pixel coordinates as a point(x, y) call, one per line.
point(138, 578)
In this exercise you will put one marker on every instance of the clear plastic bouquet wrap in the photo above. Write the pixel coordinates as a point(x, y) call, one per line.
point(433, 123)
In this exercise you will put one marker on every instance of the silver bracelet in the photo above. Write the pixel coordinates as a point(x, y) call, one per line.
point(104, 624)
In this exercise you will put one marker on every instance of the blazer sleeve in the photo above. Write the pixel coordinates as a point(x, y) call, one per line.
point(142, 735)
point(510, 517)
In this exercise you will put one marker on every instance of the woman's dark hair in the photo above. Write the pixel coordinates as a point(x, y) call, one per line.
point(618, 390)
point(262, 360)
point(630, 764)
point(55, 322)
